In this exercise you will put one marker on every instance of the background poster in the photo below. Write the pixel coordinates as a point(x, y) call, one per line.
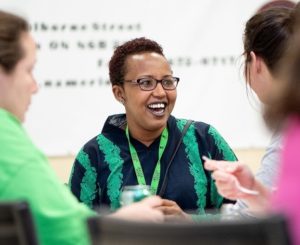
point(202, 40)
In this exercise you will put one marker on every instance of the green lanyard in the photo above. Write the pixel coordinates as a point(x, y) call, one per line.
point(137, 164)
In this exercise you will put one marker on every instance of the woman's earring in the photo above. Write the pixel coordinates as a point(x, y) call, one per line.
point(122, 101)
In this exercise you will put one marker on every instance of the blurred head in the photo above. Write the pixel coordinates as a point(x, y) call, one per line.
point(17, 59)
point(286, 95)
point(266, 39)
point(134, 70)
point(277, 4)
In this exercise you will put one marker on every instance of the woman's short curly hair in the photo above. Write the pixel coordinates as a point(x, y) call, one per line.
point(117, 67)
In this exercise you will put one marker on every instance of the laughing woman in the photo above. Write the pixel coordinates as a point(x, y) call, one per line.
point(140, 146)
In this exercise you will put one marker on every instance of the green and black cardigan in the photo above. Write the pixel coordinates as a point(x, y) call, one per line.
point(103, 166)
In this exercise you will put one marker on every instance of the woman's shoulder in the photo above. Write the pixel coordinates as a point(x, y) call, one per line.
point(197, 125)
point(112, 126)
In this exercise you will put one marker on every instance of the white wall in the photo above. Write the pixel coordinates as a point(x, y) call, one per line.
point(191, 32)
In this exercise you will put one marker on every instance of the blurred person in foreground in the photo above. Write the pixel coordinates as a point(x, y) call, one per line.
point(266, 39)
point(25, 174)
point(284, 114)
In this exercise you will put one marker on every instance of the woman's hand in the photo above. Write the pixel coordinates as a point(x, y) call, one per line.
point(145, 210)
point(229, 176)
point(172, 211)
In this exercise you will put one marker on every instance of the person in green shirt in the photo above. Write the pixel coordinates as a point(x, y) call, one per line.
point(24, 171)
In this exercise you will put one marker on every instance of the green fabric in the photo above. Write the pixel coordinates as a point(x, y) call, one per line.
point(228, 154)
point(88, 184)
point(215, 197)
point(198, 218)
point(222, 145)
point(115, 162)
point(195, 164)
point(26, 175)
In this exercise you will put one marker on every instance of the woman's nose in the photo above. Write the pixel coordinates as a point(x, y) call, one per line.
point(159, 90)
point(35, 86)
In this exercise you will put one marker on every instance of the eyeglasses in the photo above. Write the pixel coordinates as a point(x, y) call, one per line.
point(150, 83)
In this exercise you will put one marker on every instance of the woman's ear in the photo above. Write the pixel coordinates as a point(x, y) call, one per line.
point(4, 76)
point(2, 73)
point(118, 92)
point(255, 63)
point(254, 68)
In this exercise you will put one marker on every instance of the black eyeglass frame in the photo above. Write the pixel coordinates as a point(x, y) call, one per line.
point(138, 82)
